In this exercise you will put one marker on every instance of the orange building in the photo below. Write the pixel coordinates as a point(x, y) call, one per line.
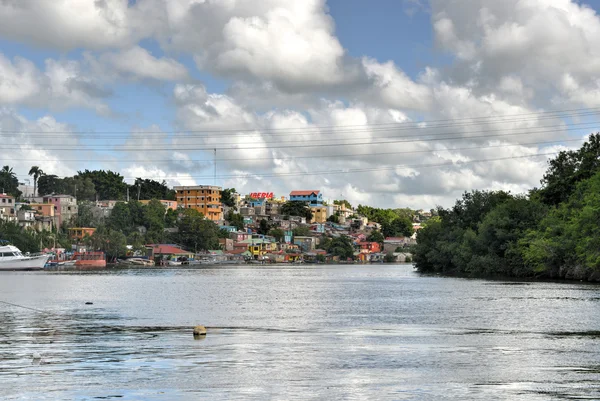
point(169, 204)
point(80, 232)
point(204, 198)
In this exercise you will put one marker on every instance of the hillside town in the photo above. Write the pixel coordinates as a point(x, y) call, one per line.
point(205, 224)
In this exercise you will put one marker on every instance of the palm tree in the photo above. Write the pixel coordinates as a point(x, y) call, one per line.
point(8, 179)
point(36, 172)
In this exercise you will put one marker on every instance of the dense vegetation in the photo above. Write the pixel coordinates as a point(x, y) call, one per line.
point(394, 222)
point(102, 185)
point(553, 232)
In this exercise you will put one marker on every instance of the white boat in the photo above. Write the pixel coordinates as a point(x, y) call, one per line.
point(140, 262)
point(11, 258)
point(173, 263)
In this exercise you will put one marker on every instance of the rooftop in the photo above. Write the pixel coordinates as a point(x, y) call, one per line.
point(165, 249)
point(304, 193)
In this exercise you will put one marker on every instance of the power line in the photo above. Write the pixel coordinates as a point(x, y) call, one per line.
point(187, 147)
point(334, 129)
point(157, 161)
point(351, 171)
point(582, 125)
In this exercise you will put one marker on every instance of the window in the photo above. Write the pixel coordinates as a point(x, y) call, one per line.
point(9, 200)
point(188, 192)
point(3, 200)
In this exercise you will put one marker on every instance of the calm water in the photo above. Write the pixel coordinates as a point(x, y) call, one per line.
point(345, 332)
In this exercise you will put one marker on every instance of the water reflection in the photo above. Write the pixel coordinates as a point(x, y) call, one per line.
point(355, 333)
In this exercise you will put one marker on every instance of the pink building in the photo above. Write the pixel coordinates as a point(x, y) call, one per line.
point(65, 207)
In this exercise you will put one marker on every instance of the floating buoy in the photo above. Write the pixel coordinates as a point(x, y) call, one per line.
point(89, 303)
point(199, 331)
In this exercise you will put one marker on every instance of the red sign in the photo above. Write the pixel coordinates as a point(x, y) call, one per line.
point(261, 195)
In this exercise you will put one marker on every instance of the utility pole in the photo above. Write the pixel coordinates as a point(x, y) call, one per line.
point(139, 189)
point(215, 167)
point(128, 193)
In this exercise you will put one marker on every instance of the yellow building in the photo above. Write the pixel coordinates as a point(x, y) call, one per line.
point(204, 198)
point(319, 214)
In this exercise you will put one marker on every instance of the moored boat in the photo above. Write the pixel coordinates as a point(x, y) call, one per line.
point(89, 260)
point(11, 258)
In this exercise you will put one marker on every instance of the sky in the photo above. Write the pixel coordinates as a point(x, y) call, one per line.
point(390, 103)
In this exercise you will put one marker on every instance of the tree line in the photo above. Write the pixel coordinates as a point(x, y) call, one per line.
point(552, 232)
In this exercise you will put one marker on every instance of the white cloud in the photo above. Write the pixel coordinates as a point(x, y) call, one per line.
point(71, 24)
point(63, 84)
point(137, 62)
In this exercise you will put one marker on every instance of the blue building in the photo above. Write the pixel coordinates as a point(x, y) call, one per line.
point(312, 198)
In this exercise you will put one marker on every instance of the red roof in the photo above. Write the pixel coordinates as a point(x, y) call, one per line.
point(6, 196)
point(303, 193)
point(167, 250)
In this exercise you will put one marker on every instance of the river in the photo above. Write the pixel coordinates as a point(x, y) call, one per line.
point(295, 333)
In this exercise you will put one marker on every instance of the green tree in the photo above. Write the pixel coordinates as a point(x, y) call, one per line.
point(35, 172)
point(568, 169)
point(301, 231)
point(195, 232)
point(296, 208)
point(376, 236)
point(277, 233)
point(334, 218)
point(343, 202)
point(112, 242)
point(171, 218)
point(235, 219)
point(151, 189)
point(85, 215)
point(398, 227)
point(25, 240)
point(227, 197)
point(263, 227)
point(9, 182)
point(136, 240)
point(120, 218)
point(49, 184)
point(108, 184)
point(342, 247)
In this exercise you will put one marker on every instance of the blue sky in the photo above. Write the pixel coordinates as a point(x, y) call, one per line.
point(300, 69)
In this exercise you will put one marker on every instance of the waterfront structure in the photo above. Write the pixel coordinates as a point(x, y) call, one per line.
point(311, 197)
point(65, 207)
point(204, 198)
point(319, 214)
point(169, 204)
point(7, 208)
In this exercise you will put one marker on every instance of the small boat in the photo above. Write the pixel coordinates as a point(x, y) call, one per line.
point(11, 258)
point(174, 263)
point(139, 262)
point(89, 260)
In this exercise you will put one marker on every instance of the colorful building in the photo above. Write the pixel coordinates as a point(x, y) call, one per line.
point(65, 207)
point(311, 197)
point(369, 247)
point(7, 208)
point(319, 214)
point(79, 233)
point(169, 204)
point(204, 198)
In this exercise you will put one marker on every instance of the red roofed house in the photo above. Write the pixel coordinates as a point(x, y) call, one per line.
point(165, 251)
point(311, 197)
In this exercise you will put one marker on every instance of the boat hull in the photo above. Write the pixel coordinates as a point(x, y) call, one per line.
point(26, 263)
